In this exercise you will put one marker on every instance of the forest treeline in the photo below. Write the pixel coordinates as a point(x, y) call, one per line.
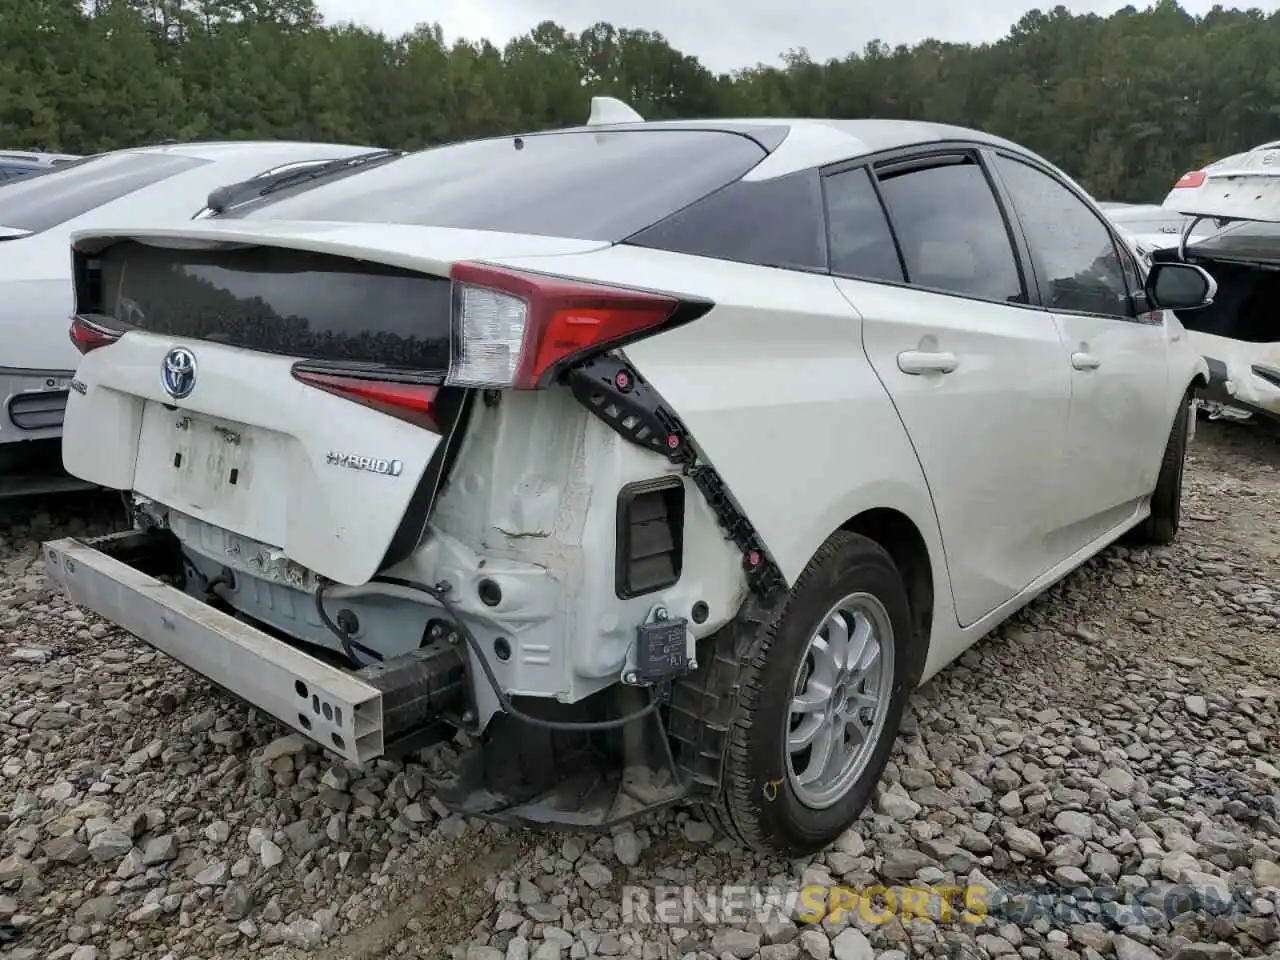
point(1124, 103)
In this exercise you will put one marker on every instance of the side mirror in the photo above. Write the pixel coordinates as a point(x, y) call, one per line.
point(1179, 286)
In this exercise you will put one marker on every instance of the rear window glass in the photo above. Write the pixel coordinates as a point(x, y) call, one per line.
point(273, 300)
point(61, 193)
point(588, 185)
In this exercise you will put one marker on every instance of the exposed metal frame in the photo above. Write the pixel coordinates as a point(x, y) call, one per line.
point(325, 703)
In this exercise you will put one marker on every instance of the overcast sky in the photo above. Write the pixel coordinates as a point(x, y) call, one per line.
point(725, 34)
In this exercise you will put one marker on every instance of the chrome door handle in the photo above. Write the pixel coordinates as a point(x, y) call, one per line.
point(1085, 361)
point(916, 362)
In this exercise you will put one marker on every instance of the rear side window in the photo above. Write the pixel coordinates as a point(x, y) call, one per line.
point(952, 232)
point(861, 242)
point(588, 185)
point(61, 193)
point(1074, 252)
point(770, 223)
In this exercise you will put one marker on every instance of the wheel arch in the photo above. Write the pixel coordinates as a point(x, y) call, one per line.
point(1200, 373)
point(903, 540)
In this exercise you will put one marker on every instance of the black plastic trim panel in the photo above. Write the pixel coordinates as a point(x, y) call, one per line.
point(453, 412)
point(1217, 371)
point(625, 539)
point(611, 389)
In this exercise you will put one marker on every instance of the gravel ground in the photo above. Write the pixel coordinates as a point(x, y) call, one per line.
point(1099, 765)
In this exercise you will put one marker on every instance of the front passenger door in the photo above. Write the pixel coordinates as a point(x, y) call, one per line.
point(1118, 427)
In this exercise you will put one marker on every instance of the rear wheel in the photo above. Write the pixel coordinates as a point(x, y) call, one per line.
point(1161, 527)
point(821, 694)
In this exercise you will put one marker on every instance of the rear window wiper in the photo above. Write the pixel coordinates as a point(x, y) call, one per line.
point(13, 233)
point(223, 198)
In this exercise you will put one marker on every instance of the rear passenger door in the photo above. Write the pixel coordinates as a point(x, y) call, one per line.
point(976, 371)
point(1119, 424)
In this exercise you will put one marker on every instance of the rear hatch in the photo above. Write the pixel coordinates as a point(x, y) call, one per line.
point(221, 365)
point(239, 343)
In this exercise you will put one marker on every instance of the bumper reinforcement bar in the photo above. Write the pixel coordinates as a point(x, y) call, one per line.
point(331, 706)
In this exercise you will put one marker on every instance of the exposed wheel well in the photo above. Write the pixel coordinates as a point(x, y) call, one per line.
point(900, 537)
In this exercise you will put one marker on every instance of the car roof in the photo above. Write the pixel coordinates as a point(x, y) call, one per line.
point(874, 134)
point(799, 142)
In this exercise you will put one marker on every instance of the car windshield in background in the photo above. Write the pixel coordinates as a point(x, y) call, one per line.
point(61, 193)
point(587, 185)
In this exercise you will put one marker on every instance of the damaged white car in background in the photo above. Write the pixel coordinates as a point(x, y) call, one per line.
point(1225, 218)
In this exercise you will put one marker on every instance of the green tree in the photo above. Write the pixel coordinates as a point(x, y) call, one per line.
point(1124, 103)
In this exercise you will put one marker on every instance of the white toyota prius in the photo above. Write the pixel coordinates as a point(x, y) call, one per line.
point(664, 459)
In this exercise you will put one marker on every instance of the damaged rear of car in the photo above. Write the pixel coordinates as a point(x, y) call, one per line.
point(359, 507)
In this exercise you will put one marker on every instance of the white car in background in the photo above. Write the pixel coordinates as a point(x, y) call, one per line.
point(1143, 218)
point(38, 214)
point(665, 459)
point(1234, 205)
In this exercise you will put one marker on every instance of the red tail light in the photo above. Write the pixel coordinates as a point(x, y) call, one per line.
point(412, 402)
point(514, 329)
point(1190, 180)
point(89, 336)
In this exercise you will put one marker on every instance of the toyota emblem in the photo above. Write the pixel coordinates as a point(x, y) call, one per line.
point(178, 374)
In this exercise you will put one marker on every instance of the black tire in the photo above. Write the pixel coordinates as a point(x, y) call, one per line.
point(1161, 527)
point(758, 805)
